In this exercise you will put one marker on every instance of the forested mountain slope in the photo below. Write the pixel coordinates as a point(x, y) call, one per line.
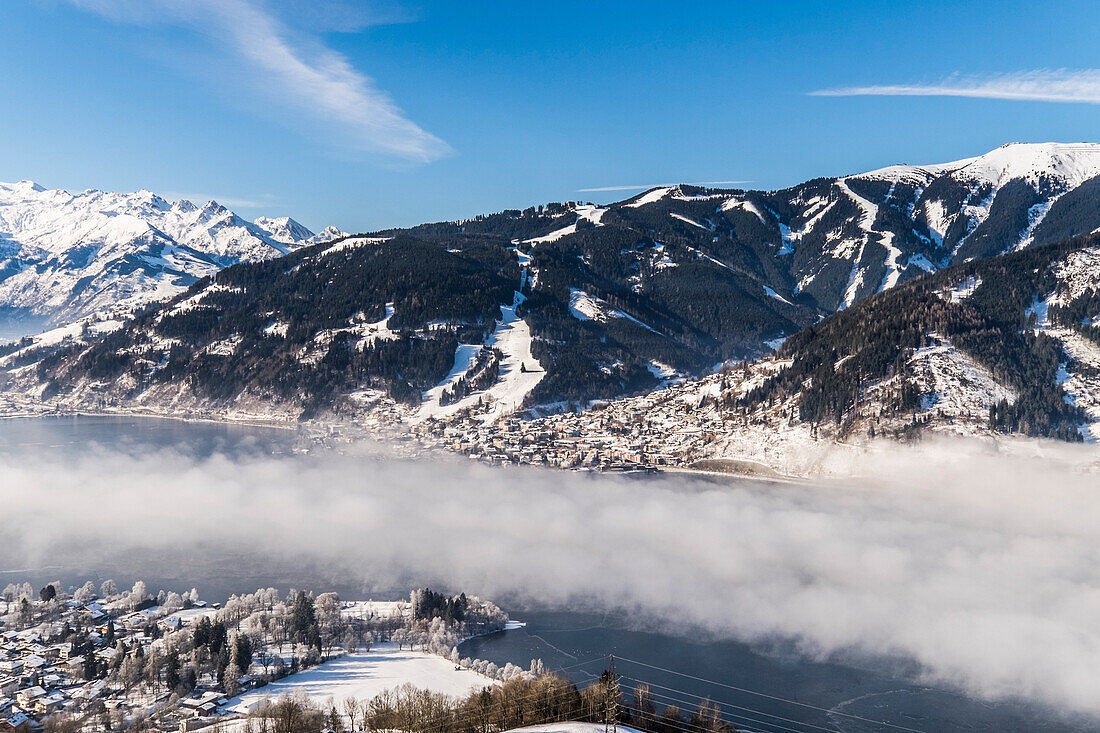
point(561, 304)
point(1002, 346)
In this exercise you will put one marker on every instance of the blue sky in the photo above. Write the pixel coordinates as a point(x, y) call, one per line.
point(367, 115)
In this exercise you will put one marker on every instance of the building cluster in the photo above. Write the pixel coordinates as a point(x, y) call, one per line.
point(668, 428)
point(43, 673)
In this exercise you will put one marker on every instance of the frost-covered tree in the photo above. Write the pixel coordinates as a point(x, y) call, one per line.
point(108, 589)
point(232, 674)
point(85, 593)
point(173, 602)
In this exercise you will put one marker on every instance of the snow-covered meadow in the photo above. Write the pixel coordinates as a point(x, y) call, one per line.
point(365, 674)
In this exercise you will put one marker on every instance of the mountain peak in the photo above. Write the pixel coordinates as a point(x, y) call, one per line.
point(1070, 163)
point(283, 229)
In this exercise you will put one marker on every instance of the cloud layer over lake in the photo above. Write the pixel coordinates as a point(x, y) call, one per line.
point(983, 568)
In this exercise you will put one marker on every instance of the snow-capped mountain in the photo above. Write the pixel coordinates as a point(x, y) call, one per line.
point(578, 302)
point(287, 231)
point(66, 255)
point(853, 236)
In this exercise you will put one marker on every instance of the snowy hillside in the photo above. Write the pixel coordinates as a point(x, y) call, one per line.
point(559, 306)
point(846, 238)
point(64, 256)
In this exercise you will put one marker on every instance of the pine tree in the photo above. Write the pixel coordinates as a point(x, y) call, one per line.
point(172, 670)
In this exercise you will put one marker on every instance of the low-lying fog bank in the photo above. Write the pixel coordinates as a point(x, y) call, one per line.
point(984, 568)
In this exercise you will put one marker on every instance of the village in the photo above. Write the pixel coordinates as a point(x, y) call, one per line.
point(669, 428)
point(99, 659)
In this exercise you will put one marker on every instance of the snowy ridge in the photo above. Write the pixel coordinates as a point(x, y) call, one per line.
point(1071, 163)
point(66, 255)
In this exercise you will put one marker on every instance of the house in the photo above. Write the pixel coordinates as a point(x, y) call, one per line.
point(33, 662)
point(18, 719)
point(49, 705)
point(28, 696)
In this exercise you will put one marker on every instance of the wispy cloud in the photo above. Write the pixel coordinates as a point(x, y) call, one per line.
point(316, 84)
point(659, 185)
point(1041, 85)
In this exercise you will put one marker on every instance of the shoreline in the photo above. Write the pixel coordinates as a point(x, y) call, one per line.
point(254, 422)
point(757, 471)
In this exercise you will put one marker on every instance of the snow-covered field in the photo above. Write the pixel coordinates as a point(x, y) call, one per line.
point(520, 371)
point(366, 674)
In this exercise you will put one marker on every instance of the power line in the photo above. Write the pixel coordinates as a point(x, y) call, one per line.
point(727, 713)
point(775, 697)
point(716, 703)
point(740, 719)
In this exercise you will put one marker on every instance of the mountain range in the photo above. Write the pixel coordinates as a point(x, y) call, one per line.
point(64, 256)
point(552, 307)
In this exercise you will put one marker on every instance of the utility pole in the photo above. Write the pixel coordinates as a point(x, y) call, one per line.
point(611, 717)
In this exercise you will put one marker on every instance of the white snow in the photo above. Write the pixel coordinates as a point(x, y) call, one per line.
point(772, 294)
point(75, 254)
point(283, 229)
point(1073, 163)
point(886, 239)
point(226, 346)
point(1076, 275)
point(1082, 386)
point(789, 237)
point(650, 197)
point(554, 235)
point(922, 262)
point(954, 384)
point(520, 371)
point(584, 307)
point(1066, 165)
point(937, 219)
point(786, 247)
point(664, 374)
point(703, 255)
point(740, 203)
point(377, 331)
point(585, 212)
point(366, 674)
point(94, 325)
point(962, 290)
point(688, 220)
point(465, 356)
point(354, 242)
point(276, 328)
point(592, 213)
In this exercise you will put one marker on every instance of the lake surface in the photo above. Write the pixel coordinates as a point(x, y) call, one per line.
point(812, 693)
point(760, 688)
point(74, 435)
